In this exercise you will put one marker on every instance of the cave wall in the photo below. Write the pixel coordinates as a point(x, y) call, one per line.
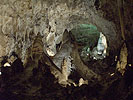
point(22, 20)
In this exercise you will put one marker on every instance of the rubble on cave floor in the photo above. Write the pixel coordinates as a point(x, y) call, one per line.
point(40, 83)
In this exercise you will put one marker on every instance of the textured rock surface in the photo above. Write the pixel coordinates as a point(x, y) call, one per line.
point(31, 27)
point(22, 20)
point(121, 64)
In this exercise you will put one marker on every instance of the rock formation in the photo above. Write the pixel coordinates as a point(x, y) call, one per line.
point(40, 32)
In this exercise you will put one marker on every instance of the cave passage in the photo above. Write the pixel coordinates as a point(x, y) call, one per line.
point(92, 42)
point(66, 50)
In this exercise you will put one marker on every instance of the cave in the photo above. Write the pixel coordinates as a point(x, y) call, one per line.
point(66, 50)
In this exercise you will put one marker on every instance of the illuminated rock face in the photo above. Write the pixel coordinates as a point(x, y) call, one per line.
point(21, 21)
point(93, 42)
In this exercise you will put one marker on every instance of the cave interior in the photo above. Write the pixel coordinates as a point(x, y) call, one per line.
point(66, 50)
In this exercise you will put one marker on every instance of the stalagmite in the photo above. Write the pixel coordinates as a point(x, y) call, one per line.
point(121, 64)
point(82, 69)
